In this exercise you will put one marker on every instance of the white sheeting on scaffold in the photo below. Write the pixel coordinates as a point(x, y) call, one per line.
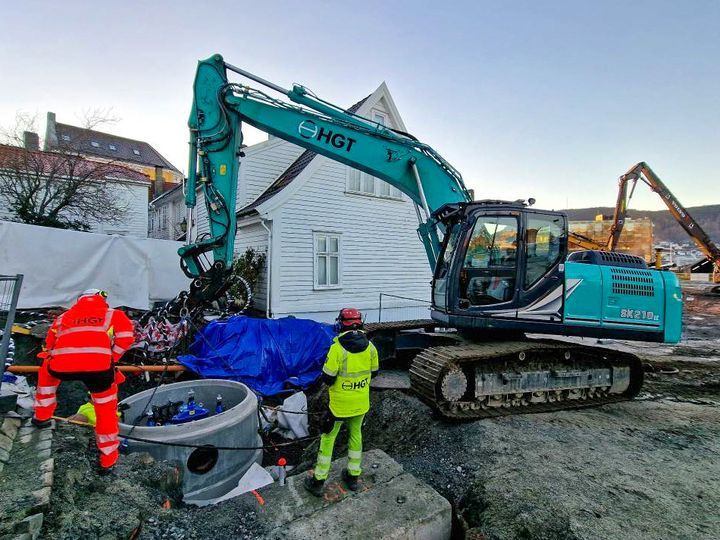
point(58, 264)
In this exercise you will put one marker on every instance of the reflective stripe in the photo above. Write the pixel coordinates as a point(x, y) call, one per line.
point(81, 350)
point(124, 334)
point(108, 319)
point(46, 389)
point(117, 349)
point(107, 450)
point(353, 467)
point(101, 400)
point(322, 469)
point(107, 438)
point(324, 459)
point(77, 329)
point(328, 371)
point(355, 454)
point(45, 402)
point(343, 371)
point(356, 374)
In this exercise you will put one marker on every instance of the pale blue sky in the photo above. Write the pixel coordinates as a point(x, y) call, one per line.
point(546, 99)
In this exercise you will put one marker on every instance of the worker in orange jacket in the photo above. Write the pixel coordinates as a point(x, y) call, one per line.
point(83, 344)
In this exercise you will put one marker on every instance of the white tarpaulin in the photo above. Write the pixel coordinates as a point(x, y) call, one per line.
point(58, 264)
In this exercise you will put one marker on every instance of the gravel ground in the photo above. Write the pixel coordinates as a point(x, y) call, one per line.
point(132, 503)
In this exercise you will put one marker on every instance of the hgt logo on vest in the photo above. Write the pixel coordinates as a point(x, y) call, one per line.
point(347, 385)
point(86, 320)
point(310, 130)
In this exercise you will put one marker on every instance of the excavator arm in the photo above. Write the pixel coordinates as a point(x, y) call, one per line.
point(644, 173)
point(220, 108)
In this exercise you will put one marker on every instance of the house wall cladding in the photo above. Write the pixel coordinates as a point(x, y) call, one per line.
point(380, 250)
point(255, 236)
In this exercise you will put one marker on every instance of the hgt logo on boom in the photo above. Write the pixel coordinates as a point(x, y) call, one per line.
point(310, 130)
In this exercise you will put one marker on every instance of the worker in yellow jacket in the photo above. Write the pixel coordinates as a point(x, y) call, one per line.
point(350, 363)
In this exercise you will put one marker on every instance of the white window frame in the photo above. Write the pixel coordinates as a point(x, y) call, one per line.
point(327, 235)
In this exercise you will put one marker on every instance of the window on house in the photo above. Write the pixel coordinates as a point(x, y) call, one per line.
point(360, 182)
point(162, 218)
point(327, 260)
point(112, 147)
point(95, 144)
point(136, 151)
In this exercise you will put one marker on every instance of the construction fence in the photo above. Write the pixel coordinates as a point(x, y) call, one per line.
point(9, 293)
point(393, 307)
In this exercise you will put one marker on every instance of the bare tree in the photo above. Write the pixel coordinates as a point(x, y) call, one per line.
point(60, 188)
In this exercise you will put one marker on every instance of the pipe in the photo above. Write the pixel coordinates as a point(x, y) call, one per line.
point(173, 368)
point(257, 79)
point(421, 190)
point(268, 276)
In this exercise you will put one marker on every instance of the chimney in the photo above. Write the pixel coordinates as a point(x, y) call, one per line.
point(159, 183)
point(51, 140)
point(31, 140)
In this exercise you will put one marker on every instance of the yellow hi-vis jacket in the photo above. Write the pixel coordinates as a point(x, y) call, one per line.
point(350, 393)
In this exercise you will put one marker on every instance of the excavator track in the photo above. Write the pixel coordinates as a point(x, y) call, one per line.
point(483, 380)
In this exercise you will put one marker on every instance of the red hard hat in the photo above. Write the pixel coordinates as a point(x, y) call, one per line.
point(350, 318)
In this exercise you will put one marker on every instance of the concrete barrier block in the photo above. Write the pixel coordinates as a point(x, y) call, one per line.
point(397, 506)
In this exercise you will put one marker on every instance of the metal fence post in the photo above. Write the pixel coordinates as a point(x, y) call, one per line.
point(7, 332)
point(380, 309)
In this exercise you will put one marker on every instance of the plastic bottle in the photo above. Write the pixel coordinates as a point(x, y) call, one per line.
point(281, 472)
point(218, 404)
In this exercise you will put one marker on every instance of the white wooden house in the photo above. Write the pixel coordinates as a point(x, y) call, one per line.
point(334, 236)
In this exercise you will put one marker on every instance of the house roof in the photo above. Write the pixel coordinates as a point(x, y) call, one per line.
point(167, 190)
point(290, 174)
point(105, 145)
point(15, 157)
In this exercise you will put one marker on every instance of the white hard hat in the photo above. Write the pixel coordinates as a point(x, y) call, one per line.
point(93, 292)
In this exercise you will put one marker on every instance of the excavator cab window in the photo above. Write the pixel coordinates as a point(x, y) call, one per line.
point(544, 237)
point(490, 263)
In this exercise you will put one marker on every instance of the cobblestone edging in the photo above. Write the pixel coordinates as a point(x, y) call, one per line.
point(26, 477)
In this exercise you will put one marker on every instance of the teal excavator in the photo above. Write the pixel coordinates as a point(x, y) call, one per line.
point(501, 269)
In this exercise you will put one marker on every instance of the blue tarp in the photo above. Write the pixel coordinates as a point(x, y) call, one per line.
point(268, 355)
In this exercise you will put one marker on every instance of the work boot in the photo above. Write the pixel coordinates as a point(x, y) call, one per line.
point(106, 471)
point(314, 486)
point(350, 481)
point(40, 424)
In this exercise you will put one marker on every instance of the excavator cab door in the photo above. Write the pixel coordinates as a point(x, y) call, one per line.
point(488, 269)
point(502, 263)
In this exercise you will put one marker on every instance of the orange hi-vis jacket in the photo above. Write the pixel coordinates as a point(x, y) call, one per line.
point(90, 336)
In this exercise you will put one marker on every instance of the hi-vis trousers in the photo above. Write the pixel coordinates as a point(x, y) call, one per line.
point(103, 393)
point(327, 443)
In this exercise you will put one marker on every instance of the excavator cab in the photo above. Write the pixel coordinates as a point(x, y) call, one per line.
point(497, 258)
